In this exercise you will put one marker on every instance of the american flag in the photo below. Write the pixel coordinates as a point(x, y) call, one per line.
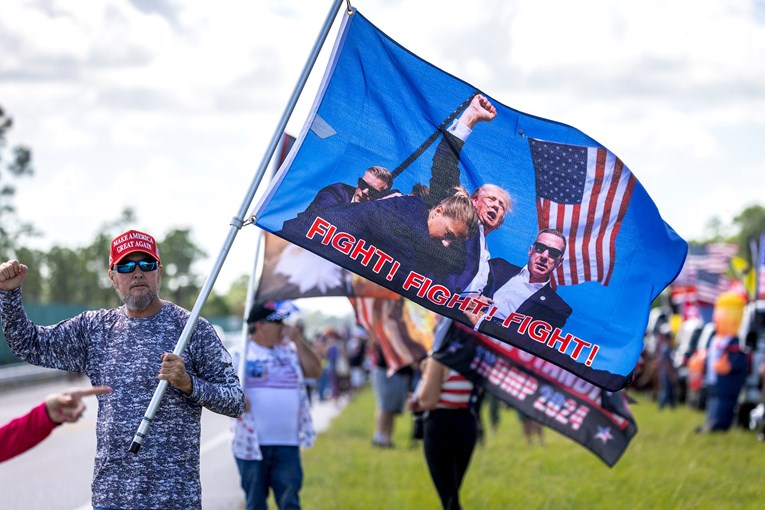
point(402, 329)
point(710, 285)
point(583, 192)
point(706, 269)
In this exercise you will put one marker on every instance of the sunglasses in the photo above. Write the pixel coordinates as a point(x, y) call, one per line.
point(129, 267)
point(373, 193)
point(553, 252)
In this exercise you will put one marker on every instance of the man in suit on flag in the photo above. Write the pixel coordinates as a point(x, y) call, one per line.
point(375, 183)
point(527, 290)
point(492, 202)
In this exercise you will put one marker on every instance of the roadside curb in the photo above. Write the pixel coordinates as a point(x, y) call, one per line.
point(24, 373)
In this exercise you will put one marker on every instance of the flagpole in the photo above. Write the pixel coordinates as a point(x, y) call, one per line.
point(237, 223)
point(249, 300)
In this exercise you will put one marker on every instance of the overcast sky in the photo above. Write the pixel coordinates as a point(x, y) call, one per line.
point(167, 106)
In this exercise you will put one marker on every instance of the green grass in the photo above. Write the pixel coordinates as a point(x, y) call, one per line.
point(666, 466)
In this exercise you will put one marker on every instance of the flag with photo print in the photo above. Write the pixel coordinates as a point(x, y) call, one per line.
point(379, 182)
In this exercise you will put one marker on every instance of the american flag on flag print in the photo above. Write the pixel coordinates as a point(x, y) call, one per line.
point(583, 192)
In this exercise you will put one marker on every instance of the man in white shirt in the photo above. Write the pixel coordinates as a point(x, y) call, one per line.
point(277, 418)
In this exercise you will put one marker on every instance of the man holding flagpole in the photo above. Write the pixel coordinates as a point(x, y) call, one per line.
point(128, 349)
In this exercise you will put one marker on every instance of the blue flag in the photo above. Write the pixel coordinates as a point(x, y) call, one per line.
point(523, 228)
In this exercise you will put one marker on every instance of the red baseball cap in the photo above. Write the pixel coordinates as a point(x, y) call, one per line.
point(130, 242)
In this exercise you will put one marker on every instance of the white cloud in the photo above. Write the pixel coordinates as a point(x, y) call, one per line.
point(168, 106)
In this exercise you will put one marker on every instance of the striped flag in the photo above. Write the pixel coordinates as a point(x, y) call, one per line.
point(402, 329)
point(706, 269)
point(582, 192)
point(710, 285)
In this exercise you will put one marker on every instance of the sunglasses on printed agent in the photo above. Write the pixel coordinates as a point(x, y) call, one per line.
point(373, 193)
point(129, 267)
point(553, 252)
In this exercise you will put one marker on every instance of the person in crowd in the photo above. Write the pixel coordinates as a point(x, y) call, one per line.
point(27, 431)
point(666, 371)
point(339, 367)
point(391, 392)
point(726, 365)
point(527, 290)
point(320, 346)
point(357, 354)
point(128, 348)
point(450, 428)
point(277, 421)
point(375, 183)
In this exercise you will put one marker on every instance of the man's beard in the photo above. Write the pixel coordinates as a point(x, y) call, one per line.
point(140, 302)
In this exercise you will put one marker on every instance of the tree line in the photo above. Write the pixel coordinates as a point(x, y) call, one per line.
point(78, 276)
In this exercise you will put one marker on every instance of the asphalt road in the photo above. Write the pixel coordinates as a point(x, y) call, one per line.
point(56, 473)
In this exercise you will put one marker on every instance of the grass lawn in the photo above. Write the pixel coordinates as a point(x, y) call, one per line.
point(666, 466)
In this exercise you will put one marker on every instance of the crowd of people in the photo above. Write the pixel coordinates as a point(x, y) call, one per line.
point(710, 374)
point(126, 350)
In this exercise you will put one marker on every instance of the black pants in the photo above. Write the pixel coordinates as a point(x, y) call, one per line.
point(450, 436)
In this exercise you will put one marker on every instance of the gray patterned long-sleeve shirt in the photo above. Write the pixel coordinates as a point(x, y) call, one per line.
point(115, 350)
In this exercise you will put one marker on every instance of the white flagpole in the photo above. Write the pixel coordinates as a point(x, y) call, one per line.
point(236, 224)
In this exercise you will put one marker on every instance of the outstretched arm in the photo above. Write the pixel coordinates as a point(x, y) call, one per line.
point(445, 172)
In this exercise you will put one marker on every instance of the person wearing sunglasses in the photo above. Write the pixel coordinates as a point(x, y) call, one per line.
point(527, 290)
point(374, 184)
point(127, 349)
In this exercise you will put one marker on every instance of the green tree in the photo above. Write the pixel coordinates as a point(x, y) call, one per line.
point(236, 297)
point(749, 223)
point(19, 165)
point(179, 253)
point(66, 275)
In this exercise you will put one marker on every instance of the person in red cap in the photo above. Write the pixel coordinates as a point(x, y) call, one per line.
point(127, 349)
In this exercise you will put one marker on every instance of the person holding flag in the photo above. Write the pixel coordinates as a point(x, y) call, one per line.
point(128, 348)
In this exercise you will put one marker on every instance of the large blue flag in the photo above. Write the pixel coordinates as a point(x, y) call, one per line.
point(524, 228)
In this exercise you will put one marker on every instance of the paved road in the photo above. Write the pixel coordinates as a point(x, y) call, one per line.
point(56, 474)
